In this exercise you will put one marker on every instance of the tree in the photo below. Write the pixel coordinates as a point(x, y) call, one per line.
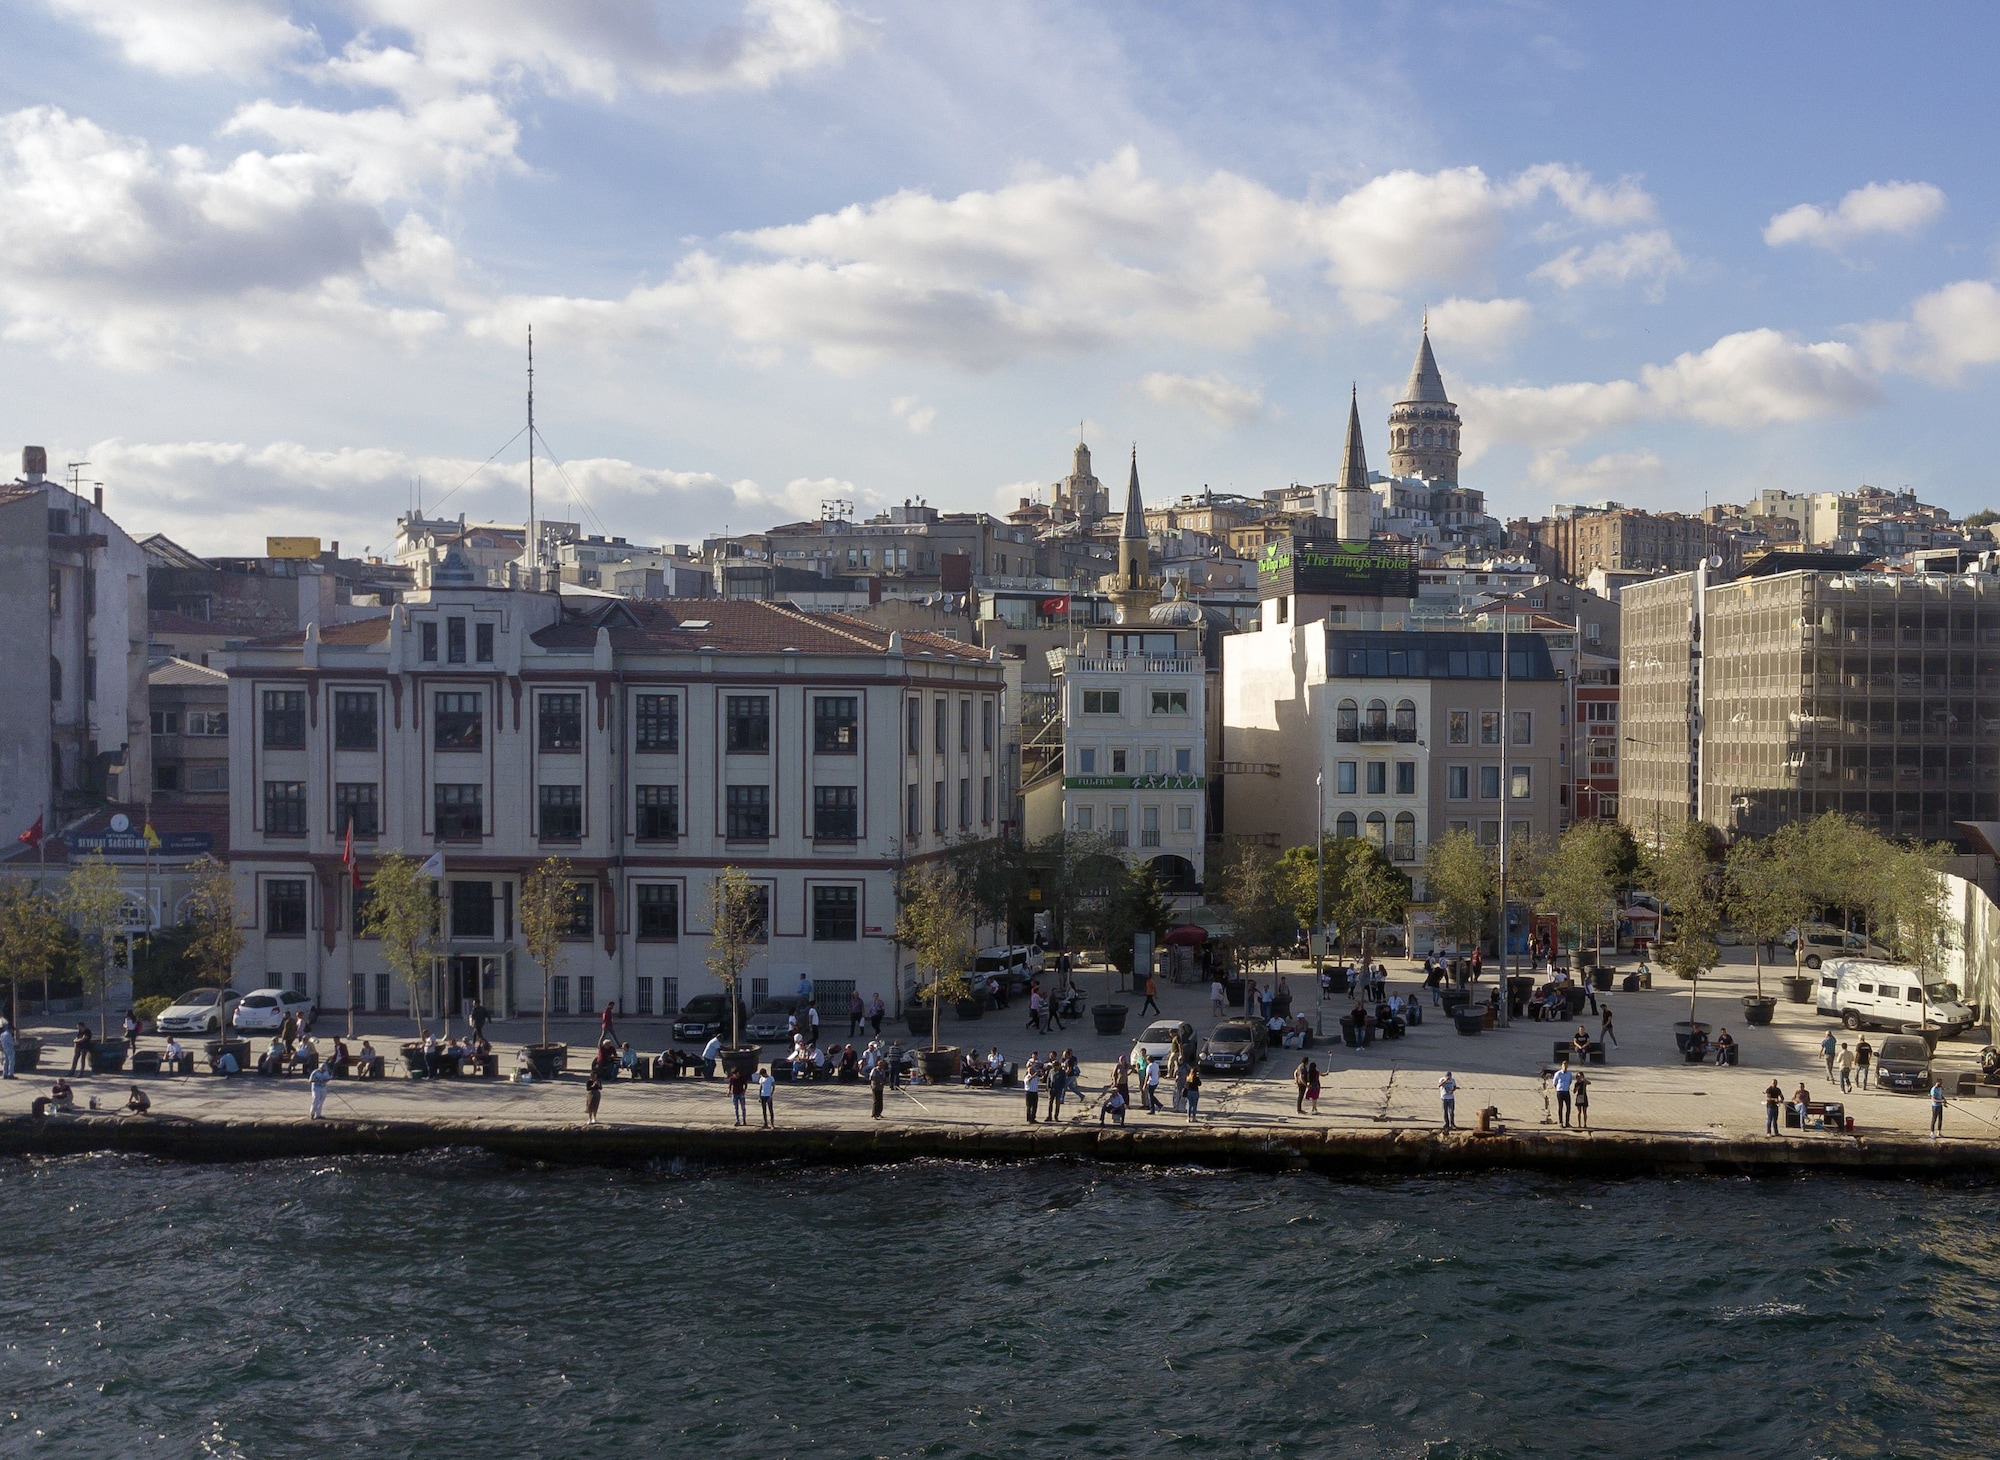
point(31, 937)
point(1767, 890)
point(1577, 879)
point(403, 914)
point(1459, 880)
point(1367, 890)
point(548, 912)
point(1911, 899)
point(1684, 876)
point(1137, 904)
point(1838, 852)
point(214, 939)
point(1248, 882)
point(94, 902)
point(736, 924)
point(994, 873)
point(933, 923)
point(1076, 869)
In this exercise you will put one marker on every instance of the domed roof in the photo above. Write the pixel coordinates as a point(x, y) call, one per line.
point(1178, 613)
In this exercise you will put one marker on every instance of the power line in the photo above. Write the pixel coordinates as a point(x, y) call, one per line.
point(574, 490)
point(479, 468)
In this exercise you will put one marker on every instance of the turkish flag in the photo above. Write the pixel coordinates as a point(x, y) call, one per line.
point(33, 835)
point(1055, 607)
point(347, 855)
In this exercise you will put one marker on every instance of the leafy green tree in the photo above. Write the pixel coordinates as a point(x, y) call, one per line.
point(736, 912)
point(1765, 890)
point(214, 938)
point(1459, 881)
point(1685, 876)
point(403, 915)
point(1074, 871)
point(94, 902)
point(1248, 882)
point(31, 938)
point(548, 912)
point(933, 923)
point(1911, 899)
point(1576, 879)
point(1308, 883)
point(1368, 891)
point(1137, 904)
point(995, 876)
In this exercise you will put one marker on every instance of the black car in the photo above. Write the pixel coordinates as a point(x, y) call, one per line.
point(1235, 1046)
point(704, 1016)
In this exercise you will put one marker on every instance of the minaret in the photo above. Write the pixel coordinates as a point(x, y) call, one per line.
point(1133, 589)
point(1354, 502)
point(1423, 425)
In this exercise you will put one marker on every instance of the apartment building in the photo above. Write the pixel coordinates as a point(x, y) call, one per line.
point(651, 744)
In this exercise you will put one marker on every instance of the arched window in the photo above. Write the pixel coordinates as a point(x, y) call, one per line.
point(1406, 837)
point(1406, 721)
point(1344, 827)
point(1428, 439)
point(55, 679)
point(1346, 721)
point(1378, 721)
point(1378, 831)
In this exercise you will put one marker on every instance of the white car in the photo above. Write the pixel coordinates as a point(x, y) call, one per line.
point(1823, 942)
point(1158, 1039)
point(265, 1009)
point(198, 1011)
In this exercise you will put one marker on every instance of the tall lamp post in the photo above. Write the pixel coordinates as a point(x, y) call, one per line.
point(1506, 781)
point(1319, 877)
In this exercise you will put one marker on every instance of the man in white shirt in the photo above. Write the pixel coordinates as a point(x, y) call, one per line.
point(710, 1053)
point(1448, 1096)
point(1563, 1080)
point(1216, 996)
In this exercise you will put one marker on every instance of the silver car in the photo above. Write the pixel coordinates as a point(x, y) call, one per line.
point(198, 1011)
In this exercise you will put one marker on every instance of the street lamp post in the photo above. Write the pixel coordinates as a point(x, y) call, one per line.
point(1506, 782)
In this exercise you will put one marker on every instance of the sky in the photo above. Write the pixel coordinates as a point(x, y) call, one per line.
point(270, 268)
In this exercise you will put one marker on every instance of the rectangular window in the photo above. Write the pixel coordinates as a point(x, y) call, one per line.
point(582, 912)
point(659, 910)
point(913, 813)
point(284, 719)
point(939, 720)
point(1520, 783)
point(482, 643)
point(458, 811)
point(1489, 727)
point(915, 728)
point(1118, 761)
point(204, 777)
point(472, 909)
point(1100, 702)
point(1489, 783)
point(986, 800)
point(1406, 778)
point(1489, 833)
point(761, 894)
point(383, 984)
point(1183, 762)
point(836, 728)
point(456, 723)
point(586, 993)
point(1458, 782)
point(562, 813)
point(1149, 826)
point(1085, 818)
point(363, 905)
point(1152, 761)
point(964, 802)
point(454, 641)
point(284, 808)
point(357, 804)
point(1520, 833)
point(940, 822)
point(166, 722)
point(670, 997)
point(658, 813)
point(559, 722)
point(354, 720)
point(427, 640)
point(1184, 818)
point(749, 720)
point(964, 723)
point(836, 914)
point(836, 813)
point(1344, 777)
point(1121, 834)
point(285, 907)
point(986, 724)
point(208, 722)
point(1086, 761)
point(1170, 702)
point(659, 725)
point(643, 988)
point(1524, 726)
point(559, 994)
point(1378, 777)
point(749, 813)
point(1458, 727)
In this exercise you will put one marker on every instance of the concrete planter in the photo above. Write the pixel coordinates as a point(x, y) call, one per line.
point(1758, 1009)
point(107, 1057)
point(744, 1059)
point(942, 1066)
point(1469, 1021)
point(27, 1055)
point(546, 1061)
point(1800, 989)
point(1109, 1018)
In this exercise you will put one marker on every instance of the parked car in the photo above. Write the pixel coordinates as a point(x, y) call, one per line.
point(706, 1015)
point(1158, 1039)
point(198, 1011)
point(1903, 1063)
point(1013, 968)
point(1824, 941)
point(770, 1023)
point(1235, 1046)
point(1864, 994)
point(265, 1010)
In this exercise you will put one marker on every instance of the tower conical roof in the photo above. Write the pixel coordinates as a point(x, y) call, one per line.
point(1353, 460)
point(1425, 382)
point(1135, 509)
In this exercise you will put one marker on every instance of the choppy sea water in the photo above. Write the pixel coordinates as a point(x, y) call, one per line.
point(460, 1306)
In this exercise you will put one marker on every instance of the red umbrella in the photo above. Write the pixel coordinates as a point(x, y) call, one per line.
point(1191, 935)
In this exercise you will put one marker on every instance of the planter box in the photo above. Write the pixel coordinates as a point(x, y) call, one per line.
point(27, 1055)
point(1800, 989)
point(1232, 990)
point(546, 1061)
point(1469, 1021)
point(1109, 1018)
point(146, 1062)
point(1600, 978)
point(970, 1008)
point(107, 1057)
point(217, 1048)
point(941, 1066)
point(1758, 1010)
point(744, 1059)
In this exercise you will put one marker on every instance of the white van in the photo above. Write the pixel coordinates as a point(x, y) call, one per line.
point(1012, 968)
point(1864, 994)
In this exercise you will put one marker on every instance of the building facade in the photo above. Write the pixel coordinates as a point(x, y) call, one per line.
point(650, 744)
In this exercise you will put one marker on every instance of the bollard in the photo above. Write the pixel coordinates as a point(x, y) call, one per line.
point(1489, 1116)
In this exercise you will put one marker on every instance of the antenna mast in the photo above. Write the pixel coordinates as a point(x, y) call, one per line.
point(534, 547)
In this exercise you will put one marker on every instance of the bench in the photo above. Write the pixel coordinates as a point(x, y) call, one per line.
point(1829, 1115)
point(1970, 1087)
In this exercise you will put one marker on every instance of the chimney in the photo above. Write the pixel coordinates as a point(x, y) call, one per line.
point(34, 463)
point(97, 497)
point(336, 548)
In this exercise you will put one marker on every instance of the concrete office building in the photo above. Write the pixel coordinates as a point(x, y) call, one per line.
point(651, 744)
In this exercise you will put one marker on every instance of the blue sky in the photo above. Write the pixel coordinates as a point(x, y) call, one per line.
point(264, 265)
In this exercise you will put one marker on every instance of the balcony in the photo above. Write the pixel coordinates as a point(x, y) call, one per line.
point(1078, 664)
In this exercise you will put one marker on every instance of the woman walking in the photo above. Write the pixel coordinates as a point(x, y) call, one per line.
point(1579, 1094)
point(766, 1088)
point(1312, 1086)
point(592, 1093)
point(1191, 1092)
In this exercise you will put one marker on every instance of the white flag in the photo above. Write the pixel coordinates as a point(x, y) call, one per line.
point(434, 866)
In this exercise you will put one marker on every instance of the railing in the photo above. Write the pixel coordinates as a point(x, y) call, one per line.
point(1077, 664)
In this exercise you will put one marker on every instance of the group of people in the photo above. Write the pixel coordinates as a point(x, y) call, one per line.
point(447, 1055)
point(1849, 1066)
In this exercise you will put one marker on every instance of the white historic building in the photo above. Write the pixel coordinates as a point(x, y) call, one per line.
point(650, 743)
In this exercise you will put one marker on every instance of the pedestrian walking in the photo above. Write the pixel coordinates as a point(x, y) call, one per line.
point(1312, 1087)
point(79, 1053)
point(1152, 996)
point(1579, 1091)
point(1216, 995)
point(592, 1093)
point(739, 1095)
point(1299, 1085)
point(130, 1025)
point(1864, 1056)
point(876, 1012)
point(1937, 1108)
point(853, 1012)
point(1564, 1083)
point(8, 1045)
point(896, 1064)
point(812, 1022)
point(1846, 1068)
point(322, 1076)
point(1448, 1097)
point(1191, 1093)
point(1774, 1098)
point(1035, 1002)
point(1828, 1048)
point(1604, 1034)
point(767, 1088)
point(479, 1016)
point(1031, 1084)
point(1058, 1082)
point(1152, 1083)
point(878, 1081)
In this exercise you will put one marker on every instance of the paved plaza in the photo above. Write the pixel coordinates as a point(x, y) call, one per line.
point(1644, 1087)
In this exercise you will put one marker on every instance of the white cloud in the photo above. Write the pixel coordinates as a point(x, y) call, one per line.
point(1901, 208)
point(193, 37)
point(1746, 381)
point(1480, 327)
point(1649, 256)
point(387, 153)
point(1949, 330)
point(918, 417)
point(1221, 400)
point(1621, 476)
point(1619, 206)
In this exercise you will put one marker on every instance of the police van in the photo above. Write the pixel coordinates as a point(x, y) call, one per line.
point(1864, 994)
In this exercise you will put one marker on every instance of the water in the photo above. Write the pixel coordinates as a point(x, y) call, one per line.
point(459, 1306)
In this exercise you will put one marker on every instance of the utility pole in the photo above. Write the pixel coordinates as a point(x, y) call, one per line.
point(534, 546)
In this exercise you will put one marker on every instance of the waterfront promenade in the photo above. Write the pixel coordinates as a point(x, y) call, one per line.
point(1644, 1089)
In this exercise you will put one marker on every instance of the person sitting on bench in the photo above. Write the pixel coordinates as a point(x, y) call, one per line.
point(365, 1061)
point(174, 1054)
point(1580, 1041)
point(61, 1096)
point(1697, 1045)
point(1724, 1042)
point(628, 1061)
